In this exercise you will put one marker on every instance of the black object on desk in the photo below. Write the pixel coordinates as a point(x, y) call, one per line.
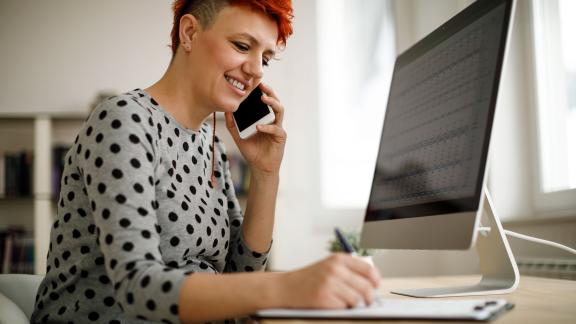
point(344, 242)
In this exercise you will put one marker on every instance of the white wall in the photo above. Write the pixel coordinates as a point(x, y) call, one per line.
point(513, 156)
point(296, 242)
point(417, 18)
point(55, 55)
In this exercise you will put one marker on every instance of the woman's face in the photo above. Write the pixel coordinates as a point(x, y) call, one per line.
point(228, 58)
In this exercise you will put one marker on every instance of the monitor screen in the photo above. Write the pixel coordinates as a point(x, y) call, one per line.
point(434, 142)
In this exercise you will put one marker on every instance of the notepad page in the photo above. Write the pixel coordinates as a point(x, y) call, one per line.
point(403, 309)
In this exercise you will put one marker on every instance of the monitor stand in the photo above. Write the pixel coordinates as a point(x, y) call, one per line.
point(497, 265)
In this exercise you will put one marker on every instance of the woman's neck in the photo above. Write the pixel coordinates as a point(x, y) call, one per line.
point(174, 93)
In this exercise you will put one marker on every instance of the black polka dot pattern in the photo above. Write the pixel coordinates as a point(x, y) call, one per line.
point(138, 213)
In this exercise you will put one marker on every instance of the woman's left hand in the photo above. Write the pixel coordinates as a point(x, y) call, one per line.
point(264, 150)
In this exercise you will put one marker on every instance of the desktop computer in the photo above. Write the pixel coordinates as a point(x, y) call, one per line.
point(428, 189)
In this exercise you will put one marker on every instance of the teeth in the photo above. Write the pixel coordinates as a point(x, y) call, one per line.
point(235, 83)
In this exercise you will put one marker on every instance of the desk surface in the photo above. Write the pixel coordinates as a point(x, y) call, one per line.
point(538, 300)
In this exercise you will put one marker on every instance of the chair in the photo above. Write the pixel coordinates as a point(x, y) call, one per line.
point(17, 296)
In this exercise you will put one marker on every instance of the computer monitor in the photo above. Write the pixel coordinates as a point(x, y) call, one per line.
point(428, 187)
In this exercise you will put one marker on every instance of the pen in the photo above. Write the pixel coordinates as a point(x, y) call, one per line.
point(348, 248)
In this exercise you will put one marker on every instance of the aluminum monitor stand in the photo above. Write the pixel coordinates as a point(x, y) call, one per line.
point(497, 265)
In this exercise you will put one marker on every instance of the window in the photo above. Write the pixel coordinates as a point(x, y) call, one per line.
point(356, 57)
point(553, 29)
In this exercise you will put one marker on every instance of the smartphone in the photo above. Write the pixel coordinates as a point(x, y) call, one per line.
point(251, 112)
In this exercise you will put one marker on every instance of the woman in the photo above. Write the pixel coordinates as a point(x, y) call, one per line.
point(147, 216)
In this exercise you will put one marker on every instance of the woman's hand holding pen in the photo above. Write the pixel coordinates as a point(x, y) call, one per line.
point(264, 150)
point(339, 281)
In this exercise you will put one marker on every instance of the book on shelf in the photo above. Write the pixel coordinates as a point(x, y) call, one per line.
point(16, 251)
point(59, 160)
point(2, 176)
point(18, 174)
point(240, 174)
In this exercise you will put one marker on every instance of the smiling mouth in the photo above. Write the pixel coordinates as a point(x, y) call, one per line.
point(235, 83)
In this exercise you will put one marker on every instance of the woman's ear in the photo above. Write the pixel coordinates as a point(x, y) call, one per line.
point(189, 27)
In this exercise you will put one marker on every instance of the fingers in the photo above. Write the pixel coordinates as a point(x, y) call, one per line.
point(362, 289)
point(361, 267)
point(364, 269)
point(267, 90)
point(270, 98)
point(358, 278)
point(273, 130)
point(336, 282)
point(231, 126)
point(347, 296)
point(229, 120)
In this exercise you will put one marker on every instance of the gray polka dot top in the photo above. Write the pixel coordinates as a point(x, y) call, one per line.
point(137, 213)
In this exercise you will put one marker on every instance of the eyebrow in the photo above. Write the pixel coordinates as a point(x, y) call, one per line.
point(255, 41)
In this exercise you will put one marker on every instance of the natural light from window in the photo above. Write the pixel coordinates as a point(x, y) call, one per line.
point(554, 28)
point(356, 55)
point(567, 10)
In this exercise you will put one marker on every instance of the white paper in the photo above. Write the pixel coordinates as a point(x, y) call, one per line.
point(477, 309)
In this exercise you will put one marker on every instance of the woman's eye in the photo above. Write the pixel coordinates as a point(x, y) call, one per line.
point(241, 46)
point(245, 48)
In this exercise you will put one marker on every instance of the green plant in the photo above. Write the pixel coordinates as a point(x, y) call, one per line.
point(354, 239)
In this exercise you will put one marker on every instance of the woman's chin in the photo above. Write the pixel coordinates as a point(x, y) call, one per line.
point(229, 107)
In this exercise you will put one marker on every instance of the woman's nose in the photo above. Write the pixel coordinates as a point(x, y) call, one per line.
point(253, 67)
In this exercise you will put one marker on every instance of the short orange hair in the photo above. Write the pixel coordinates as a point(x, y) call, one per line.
point(206, 10)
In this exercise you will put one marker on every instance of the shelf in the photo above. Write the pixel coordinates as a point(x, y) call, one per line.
point(9, 199)
point(39, 133)
point(52, 115)
point(40, 196)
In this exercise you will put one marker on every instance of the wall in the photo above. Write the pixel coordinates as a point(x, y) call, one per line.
point(417, 18)
point(57, 54)
point(512, 155)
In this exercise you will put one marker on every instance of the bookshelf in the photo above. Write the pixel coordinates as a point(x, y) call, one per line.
point(32, 211)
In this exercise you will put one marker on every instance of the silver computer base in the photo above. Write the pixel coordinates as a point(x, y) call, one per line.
point(497, 265)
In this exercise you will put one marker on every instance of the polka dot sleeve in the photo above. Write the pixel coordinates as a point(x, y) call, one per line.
point(240, 256)
point(118, 169)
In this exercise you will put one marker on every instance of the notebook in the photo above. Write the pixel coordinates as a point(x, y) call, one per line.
point(418, 309)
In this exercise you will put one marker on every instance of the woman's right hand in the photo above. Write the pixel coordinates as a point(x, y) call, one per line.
point(339, 281)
